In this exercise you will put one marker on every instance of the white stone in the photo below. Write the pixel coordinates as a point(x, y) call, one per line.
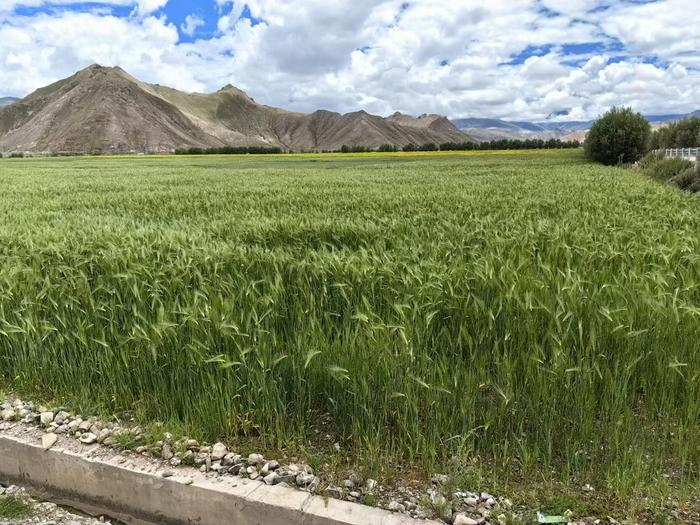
point(218, 451)
point(48, 441)
point(463, 519)
point(88, 438)
point(255, 459)
point(271, 479)
point(46, 418)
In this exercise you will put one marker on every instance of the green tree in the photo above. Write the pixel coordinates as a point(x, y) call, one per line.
point(620, 136)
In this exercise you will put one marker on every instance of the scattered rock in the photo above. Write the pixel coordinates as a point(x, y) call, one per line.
point(167, 452)
point(200, 458)
point(335, 492)
point(88, 438)
point(438, 500)
point(255, 459)
point(313, 486)
point(61, 417)
point(103, 434)
point(463, 519)
point(46, 418)
point(303, 479)
point(286, 477)
point(192, 444)
point(218, 451)
point(48, 440)
point(439, 479)
point(271, 479)
point(395, 506)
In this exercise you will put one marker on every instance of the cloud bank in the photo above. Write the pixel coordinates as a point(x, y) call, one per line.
point(517, 59)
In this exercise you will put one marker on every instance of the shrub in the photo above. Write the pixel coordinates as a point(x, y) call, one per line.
point(688, 179)
point(648, 161)
point(659, 167)
point(620, 136)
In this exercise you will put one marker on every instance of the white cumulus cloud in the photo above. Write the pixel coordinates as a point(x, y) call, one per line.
point(456, 57)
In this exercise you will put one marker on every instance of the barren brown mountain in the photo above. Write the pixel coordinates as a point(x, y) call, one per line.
point(103, 109)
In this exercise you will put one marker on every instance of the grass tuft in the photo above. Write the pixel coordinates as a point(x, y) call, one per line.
point(13, 507)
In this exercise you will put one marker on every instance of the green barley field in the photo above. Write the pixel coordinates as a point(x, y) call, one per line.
point(529, 310)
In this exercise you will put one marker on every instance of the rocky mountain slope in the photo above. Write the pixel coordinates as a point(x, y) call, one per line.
point(106, 110)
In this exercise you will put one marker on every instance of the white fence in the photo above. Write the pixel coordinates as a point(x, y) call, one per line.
point(692, 154)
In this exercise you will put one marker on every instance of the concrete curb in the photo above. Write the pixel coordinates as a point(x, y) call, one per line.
point(100, 486)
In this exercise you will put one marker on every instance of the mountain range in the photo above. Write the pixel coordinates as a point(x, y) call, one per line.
point(101, 109)
point(106, 110)
point(495, 129)
point(6, 101)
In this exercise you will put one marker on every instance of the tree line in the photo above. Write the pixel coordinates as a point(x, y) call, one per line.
point(623, 136)
point(681, 134)
point(503, 144)
point(230, 150)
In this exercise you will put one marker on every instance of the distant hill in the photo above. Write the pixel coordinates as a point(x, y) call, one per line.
point(103, 109)
point(6, 101)
point(495, 129)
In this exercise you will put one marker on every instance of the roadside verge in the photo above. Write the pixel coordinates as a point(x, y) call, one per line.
point(103, 485)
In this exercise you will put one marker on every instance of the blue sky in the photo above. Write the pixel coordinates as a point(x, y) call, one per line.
point(517, 59)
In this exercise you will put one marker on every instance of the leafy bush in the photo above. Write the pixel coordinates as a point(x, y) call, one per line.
point(688, 179)
point(659, 167)
point(648, 161)
point(621, 136)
